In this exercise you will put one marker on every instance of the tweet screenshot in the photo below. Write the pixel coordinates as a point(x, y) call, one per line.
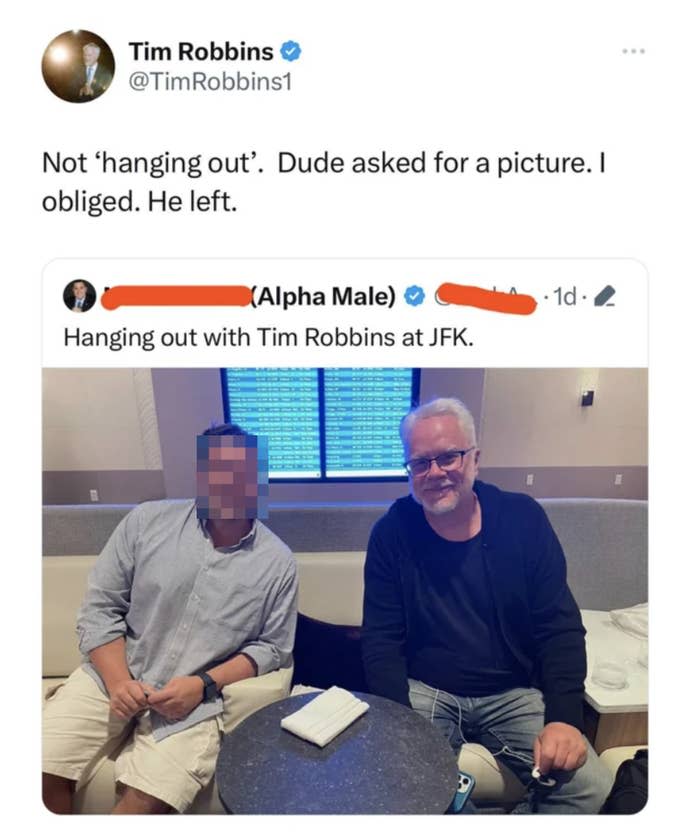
point(346, 349)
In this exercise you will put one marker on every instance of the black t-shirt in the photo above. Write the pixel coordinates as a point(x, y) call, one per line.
point(458, 645)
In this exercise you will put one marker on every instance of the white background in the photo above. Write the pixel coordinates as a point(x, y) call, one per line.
point(566, 329)
point(471, 77)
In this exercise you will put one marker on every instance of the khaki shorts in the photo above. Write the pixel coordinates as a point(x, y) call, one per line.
point(80, 732)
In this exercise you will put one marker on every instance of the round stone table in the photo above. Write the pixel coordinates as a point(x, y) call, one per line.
point(390, 760)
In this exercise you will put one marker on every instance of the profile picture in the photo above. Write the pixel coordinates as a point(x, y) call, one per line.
point(79, 295)
point(78, 66)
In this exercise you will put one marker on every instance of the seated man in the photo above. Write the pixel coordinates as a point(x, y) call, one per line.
point(469, 620)
point(184, 599)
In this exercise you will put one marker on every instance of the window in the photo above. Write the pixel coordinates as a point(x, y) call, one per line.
point(325, 423)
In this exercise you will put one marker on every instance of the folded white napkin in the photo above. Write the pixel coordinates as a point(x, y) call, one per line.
point(634, 620)
point(326, 716)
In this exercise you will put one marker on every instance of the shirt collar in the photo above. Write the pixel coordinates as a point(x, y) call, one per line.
point(246, 541)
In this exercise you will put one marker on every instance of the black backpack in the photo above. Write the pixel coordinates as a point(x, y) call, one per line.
point(629, 791)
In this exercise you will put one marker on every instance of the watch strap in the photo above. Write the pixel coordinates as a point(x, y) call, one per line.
point(210, 688)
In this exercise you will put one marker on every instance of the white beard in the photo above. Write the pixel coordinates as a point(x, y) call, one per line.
point(441, 505)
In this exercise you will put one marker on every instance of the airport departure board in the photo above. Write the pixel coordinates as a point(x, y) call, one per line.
point(328, 423)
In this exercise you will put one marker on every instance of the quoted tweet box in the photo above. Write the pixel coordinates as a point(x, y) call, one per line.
point(344, 313)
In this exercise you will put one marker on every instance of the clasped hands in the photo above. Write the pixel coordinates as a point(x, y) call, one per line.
point(174, 701)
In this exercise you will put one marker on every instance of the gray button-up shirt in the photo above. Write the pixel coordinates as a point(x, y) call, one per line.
point(184, 606)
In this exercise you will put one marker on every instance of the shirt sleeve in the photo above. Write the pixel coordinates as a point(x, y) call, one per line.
point(383, 623)
point(274, 646)
point(559, 635)
point(101, 618)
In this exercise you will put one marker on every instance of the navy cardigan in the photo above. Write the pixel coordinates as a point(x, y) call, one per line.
point(539, 619)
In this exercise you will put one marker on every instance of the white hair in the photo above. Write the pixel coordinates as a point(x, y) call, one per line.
point(438, 407)
point(93, 46)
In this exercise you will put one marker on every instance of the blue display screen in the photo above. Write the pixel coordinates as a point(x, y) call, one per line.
point(328, 423)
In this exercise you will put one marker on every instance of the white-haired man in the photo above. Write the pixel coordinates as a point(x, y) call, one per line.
point(92, 79)
point(468, 617)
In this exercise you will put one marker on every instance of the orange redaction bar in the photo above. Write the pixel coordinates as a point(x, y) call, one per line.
point(176, 296)
point(474, 296)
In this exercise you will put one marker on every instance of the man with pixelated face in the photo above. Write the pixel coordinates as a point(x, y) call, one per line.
point(231, 477)
point(185, 599)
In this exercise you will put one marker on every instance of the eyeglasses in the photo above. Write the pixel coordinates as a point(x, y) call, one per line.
point(449, 461)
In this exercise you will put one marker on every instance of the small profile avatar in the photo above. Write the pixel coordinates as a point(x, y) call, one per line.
point(78, 66)
point(79, 296)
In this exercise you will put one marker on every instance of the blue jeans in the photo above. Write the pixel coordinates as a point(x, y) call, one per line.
point(507, 725)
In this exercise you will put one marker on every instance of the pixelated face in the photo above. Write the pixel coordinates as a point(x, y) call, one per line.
point(90, 55)
point(439, 491)
point(232, 477)
point(79, 289)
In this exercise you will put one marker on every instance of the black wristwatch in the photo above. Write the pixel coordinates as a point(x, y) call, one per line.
point(210, 688)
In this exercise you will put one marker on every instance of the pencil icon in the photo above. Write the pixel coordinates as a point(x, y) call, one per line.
point(602, 298)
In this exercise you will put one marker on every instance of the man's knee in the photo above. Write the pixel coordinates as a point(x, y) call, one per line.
point(593, 783)
point(135, 801)
point(57, 793)
point(601, 787)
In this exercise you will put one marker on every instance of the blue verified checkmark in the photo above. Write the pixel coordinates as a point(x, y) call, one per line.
point(290, 50)
point(414, 296)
